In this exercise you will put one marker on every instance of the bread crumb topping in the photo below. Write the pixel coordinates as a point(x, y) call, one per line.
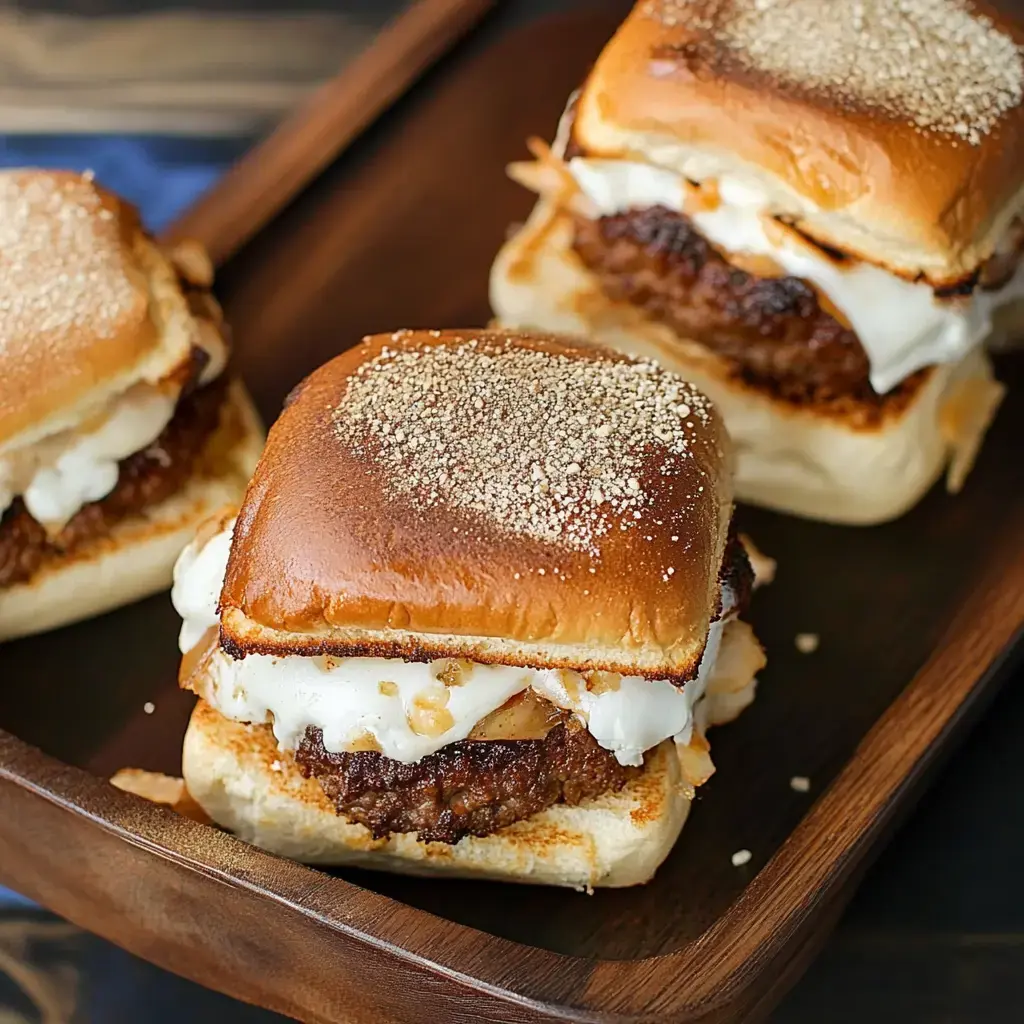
point(561, 449)
point(63, 266)
point(938, 65)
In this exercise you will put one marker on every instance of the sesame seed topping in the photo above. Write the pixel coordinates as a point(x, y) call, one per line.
point(741, 857)
point(800, 784)
point(937, 65)
point(62, 263)
point(556, 448)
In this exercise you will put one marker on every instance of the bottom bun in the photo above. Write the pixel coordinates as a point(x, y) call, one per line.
point(240, 778)
point(830, 462)
point(137, 557)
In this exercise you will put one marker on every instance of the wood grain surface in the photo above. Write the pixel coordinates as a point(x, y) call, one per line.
point(917, 621)
point(262, 185)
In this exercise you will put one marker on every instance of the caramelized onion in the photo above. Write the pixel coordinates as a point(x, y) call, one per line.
point(194, 660)
point(455, 671)
point(365, 741)
point(703, 198)
point(966, 412)
point(602, 682)
point(740, 658)
point(523, 717)
point(997, 270)
point(429, 714)
point(695, 759)
point(757, 265)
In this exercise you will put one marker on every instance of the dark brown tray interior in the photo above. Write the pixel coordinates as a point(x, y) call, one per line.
point(401, 233)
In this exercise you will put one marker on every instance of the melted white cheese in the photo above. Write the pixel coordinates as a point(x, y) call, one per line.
point(59, 475)
point(901, 324)
point(198, 578)
point(405, 706)
point(351, 698)
point(639, 713)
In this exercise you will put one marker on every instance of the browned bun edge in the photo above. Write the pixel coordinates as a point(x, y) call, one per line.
point(240, 636)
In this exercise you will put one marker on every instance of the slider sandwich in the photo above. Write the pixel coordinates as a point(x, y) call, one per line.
point(478, 609)
point(119, 432)
point(811, 209)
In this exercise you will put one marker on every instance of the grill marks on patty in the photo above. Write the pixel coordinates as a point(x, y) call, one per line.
point(473, 787)
point(145, 478)
point(773, 330)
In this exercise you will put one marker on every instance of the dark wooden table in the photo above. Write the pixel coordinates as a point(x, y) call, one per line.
point(935, 934)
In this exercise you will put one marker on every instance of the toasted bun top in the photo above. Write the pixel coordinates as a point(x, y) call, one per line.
point(890, 131)
point(88, 304)
point(431, 486)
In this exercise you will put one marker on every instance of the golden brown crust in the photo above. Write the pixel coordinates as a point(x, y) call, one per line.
point(327, 556)
point(87, 302)
point(869, 183)
point(240, 636)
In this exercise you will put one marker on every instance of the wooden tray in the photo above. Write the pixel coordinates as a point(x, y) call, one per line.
point(917, 620)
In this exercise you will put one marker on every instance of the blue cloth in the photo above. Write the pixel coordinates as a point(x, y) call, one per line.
point(12, 899)
point(162, 175)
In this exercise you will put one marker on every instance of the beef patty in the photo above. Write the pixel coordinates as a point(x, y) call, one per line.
point(145, 479)
point(773, 330)
point(473, 787)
